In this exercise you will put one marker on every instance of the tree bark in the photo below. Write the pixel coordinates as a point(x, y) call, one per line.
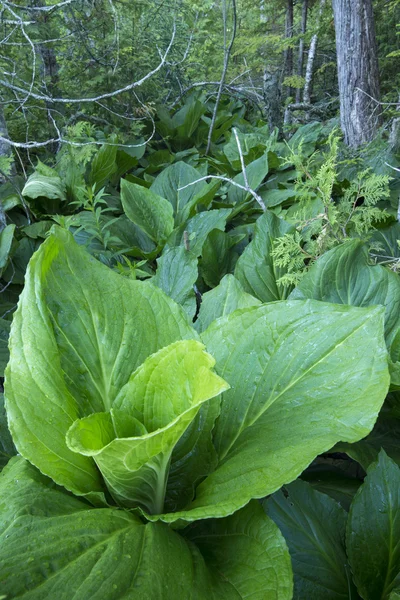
point(358, 71)
point(311, 58)
point(227, 54)
point(300, 60)
point(288, 36)
point(272, 99)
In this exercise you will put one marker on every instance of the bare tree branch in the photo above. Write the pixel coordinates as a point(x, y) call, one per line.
point(227, 53)
point(256, 197)
point(127, 88)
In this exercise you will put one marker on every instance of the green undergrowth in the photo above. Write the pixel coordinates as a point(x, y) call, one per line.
point(202, 367)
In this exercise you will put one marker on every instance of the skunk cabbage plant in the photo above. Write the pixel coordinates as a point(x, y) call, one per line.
point(144, 446)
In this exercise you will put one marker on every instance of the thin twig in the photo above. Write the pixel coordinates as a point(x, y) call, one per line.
point(256, 197)
point(127, 88)
point(224, 70)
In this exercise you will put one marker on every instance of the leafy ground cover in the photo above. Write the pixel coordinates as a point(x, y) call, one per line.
point(203, 370)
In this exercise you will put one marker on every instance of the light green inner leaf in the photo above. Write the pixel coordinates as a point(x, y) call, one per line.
point(160, 400)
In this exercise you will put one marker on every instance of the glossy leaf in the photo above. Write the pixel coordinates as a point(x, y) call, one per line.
point(227, 297)
point(78, 334)
point(218, 257)
point(247, 544)
point(71, 551)
point(256, 269)
point(198, 228)
point(344, 275)
point(6, 239)
point(256, 171)
point(133, 443)
point(314, 527)
point(7, 448)
point(373, 531)
point(385, 434)
point(384, 242)
point(303, 376)
point(278, 196)
point(168, 183)
point(103, 166)
point(176, 274)
point(48, 187)
point(147, 210)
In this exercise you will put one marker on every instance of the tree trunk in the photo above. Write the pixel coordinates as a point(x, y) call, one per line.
point(358, 71)
point(311, 58)
point(288, 36)
point(300, 60)
point(272, 99)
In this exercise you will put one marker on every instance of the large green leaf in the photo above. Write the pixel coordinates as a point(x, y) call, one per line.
point(344, 276)
point(147, 210)
point(133, 443)
point(4, 352)
point(246, 543)
point(104, 165)
point(385, 434)
point(55, 546)
point(227, 297)
point(252, 146)
point(168, 183)
point(256, 171)
point(187, 119)
point(78, 334)
point(41, 185)
point(193, 458)
point(385, 243)
point(314, 527)
point(198, 228)
point(373, 531)
point(7, 448)
point(256, 269)
point(176, 274)
point(6, 240)
point(275, 197)
point(218, 256)
point(307, 136)
point(132, 237)
point(303, 376)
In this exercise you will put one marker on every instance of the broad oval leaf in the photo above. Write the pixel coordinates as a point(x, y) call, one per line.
point(303, 375)
point(344, 275)
point(246, 544)
point(314, 526)
point(256, 171)
point(78, 334)
point(227, 297)
point(198, 228)
point(171, 184)
point(40, 185)
point(132, 444)
point(70, 551)
point(373, 531)
point(152, 213)
point(176, 274)
point(104, 165)
point(256, 269)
